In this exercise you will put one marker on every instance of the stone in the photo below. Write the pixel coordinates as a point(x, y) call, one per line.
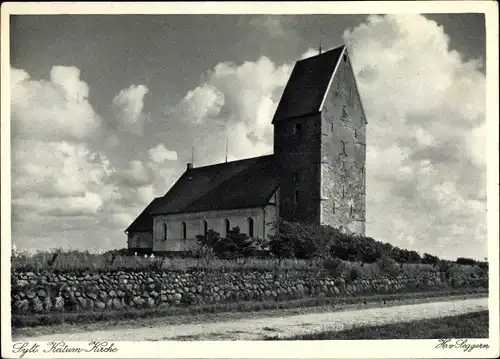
point(37, 305)
point(301, 288)
point(153, 294)
point(82, 302)
point(31, 294)
point(177, 296)
point(59, 303)
point(99, 305)
point(151, 302)
point(138, 301)
point(117, 304)
point(22, 305)
point(112, 294)
point(22, 283)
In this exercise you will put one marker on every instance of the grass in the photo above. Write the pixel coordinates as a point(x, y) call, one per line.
point(53, 322)
point(471, 325)
point(93, 262)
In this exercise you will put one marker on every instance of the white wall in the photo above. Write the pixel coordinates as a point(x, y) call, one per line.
point(263, 226)
point(140, 240)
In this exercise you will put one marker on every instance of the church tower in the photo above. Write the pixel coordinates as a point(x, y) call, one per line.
point(320, 144)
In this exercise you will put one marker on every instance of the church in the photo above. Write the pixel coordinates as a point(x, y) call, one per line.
point(316, 173)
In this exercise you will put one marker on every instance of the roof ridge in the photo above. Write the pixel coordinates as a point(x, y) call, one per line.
point(323, 53)
point(229, 162)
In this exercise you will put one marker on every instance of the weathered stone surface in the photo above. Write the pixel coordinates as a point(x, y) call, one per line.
point(154, 289)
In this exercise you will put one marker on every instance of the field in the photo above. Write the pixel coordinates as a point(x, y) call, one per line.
point(472, 325)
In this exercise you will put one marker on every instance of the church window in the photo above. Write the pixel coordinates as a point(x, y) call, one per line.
point(343, 191)
point(184, 231)
point(297, 129)
point(164, 231)
point(296, 177)
point(333, 207)
point(228, 226)
point(351, 211)
point(205, 228)
point(345, 57)
point(250, 227)
point(296, 197)
point(332, 126)
point(343, 148)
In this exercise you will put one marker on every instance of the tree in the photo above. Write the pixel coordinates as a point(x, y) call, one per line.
point(235, 244)
point(208, 240)
point(430, 259)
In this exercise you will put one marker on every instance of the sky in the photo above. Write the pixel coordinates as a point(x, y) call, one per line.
point(106, 110)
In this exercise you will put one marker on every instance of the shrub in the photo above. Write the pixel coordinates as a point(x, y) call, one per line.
point(388, 266)
point(465, 261)
point(335, 267)
point(234, 245)
point(299, 240)
point(430, 259)
point(354, 273)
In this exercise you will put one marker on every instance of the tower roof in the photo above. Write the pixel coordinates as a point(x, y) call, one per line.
point(308, 85)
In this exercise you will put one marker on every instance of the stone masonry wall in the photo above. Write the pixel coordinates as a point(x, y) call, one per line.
point(43, 292)
point(343, 154)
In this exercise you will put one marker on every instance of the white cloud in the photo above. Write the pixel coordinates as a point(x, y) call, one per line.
point(236, 101)
point(202, 103)
point(309, 53)
point(273, 24)
point(426, 112)
point(58, 108)
point(56, 169)
point(160, 154)
point(128, 106)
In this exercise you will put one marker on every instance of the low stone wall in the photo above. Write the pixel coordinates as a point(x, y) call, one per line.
point(45, 292)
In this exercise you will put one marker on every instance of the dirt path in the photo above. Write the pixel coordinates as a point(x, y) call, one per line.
point(257, 329)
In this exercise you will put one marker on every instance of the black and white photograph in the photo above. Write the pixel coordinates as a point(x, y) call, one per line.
point(237, 180)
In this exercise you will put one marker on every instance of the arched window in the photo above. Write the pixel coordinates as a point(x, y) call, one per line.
point(227, 225)
point(343, 148)
point(184, 234)
point(205, 228)
point(164, 231)
point(250, 227)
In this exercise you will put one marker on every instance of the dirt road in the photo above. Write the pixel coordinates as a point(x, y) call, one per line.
point(257, 329)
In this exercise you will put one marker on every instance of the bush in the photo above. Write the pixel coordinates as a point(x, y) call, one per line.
point(335, 267)
point(353, 274)
point(465, 261)
point(388, 266)
point(234, 245)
